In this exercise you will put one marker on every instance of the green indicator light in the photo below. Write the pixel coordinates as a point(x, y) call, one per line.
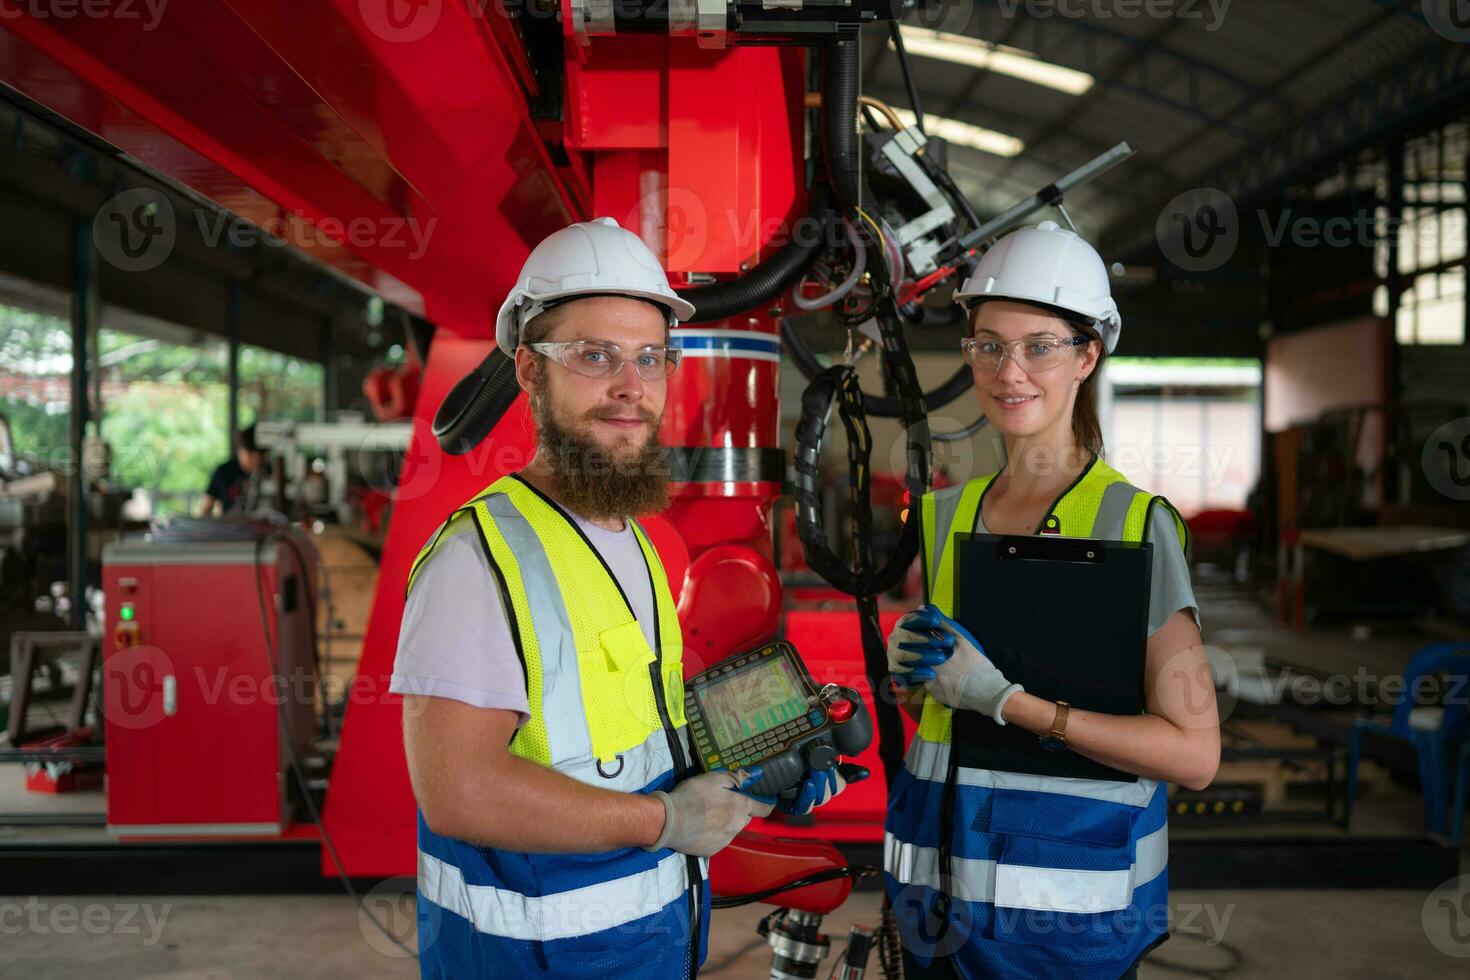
point(126, 612)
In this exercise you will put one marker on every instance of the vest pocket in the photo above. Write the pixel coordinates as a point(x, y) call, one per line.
point(1063, 895)
point(618, 690)
point(1068, 820)
point(1063, 872)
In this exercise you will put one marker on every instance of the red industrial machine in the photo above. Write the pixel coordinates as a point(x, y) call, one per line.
point(484, 127)
point(207, 672)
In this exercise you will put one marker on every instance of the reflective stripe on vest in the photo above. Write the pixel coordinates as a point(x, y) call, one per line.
point(1055, 847)
point(1036, 889)
point(593, 717)
point(562, 915)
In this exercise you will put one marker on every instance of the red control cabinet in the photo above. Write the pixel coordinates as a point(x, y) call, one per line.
point(197, 685)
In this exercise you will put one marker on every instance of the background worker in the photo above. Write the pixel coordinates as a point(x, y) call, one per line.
point(234, 484)
point(562, 828)
point(1051, 876)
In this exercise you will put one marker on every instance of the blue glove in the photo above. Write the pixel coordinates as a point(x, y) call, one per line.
point(912, 651)
point(820, 786)
point(964, 678)
point(748, 777)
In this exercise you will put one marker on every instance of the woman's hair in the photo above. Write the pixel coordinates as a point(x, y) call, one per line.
point(1086, 426)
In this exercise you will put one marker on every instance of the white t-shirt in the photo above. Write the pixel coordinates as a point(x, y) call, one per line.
point(455, 641)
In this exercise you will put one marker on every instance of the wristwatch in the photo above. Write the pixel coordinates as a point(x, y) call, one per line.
point(1056, 739)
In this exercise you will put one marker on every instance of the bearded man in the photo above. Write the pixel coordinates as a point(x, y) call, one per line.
point(563, 827)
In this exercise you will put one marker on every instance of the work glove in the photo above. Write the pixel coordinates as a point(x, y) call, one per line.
point(705, 812)
point(964, 678)
point(820, 786)
point(911, 658)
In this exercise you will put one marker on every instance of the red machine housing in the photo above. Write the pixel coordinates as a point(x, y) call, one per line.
point(755, 863)
point(194, 711)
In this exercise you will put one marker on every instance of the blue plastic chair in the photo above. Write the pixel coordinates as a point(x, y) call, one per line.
point(1432, 745)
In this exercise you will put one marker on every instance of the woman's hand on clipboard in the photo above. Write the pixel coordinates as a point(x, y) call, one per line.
point(933, 649)
point(912, 654)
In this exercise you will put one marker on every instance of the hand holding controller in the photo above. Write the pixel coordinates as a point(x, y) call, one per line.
point(850, 733)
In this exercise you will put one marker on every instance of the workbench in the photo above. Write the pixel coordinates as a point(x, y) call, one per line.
point(1359, 544)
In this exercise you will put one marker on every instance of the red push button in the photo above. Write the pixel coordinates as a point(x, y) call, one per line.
point(841, 709)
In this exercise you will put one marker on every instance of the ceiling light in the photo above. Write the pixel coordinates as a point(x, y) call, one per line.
point(966, 134)
point(961, 49)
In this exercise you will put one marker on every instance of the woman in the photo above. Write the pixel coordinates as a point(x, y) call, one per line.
point(1004, 874)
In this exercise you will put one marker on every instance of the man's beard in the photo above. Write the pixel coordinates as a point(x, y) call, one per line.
point(594, 482)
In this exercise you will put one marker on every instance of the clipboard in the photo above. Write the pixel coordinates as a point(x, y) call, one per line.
point(1067, 619)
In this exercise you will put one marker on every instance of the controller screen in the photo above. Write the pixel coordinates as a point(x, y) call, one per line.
point(754, 699)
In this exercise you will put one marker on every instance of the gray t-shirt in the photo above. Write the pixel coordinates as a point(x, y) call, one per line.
point(1170, 587)
point(455, 641)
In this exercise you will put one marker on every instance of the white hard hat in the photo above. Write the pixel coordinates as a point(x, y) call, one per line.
point(1052, 266)
point(588, 258)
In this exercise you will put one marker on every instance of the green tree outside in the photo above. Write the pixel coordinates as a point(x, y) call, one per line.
point(165, 407)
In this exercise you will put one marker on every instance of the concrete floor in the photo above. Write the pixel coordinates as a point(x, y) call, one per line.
point(1339, 934)
point(1375, 935)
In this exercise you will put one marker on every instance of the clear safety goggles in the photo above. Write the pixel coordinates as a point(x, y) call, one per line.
point(1033, 355)
point(603, 359)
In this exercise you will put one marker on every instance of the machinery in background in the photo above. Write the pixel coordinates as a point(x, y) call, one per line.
point(35, 512)
point(392, 391)
point(816, 881)
point(209, 680)
point(341, 472)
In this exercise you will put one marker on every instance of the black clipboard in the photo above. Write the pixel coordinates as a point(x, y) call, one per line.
point(1067, 619)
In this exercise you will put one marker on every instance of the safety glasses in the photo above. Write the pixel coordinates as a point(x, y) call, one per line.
point(601, 359)
point(1034, 355)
